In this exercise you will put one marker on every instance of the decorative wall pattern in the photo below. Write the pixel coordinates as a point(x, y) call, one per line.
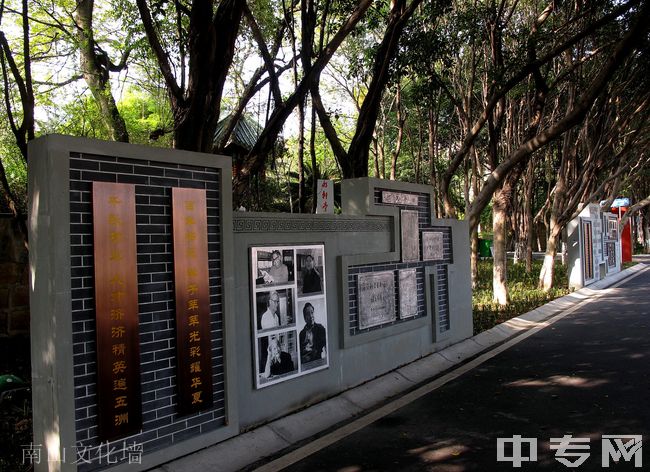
point(339, 224)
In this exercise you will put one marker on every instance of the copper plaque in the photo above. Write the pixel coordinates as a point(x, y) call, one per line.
point(116, 303)
point(193, 340)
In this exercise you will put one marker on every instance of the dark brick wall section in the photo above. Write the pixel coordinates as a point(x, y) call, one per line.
point(443, 298)
point(353, 273)
point(424, 223)
point(162, 426)
point(423, 208)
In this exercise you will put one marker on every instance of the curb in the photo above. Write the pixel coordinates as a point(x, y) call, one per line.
point(267, 441)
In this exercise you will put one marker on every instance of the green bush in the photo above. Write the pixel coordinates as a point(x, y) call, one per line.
point(523, 291)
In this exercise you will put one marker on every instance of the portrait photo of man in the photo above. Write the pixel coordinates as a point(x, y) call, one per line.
point(274, 266)
point(312, 338)
point(310, 276)
point(274, 309)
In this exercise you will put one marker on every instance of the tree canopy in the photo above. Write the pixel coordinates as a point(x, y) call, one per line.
point(518, 113)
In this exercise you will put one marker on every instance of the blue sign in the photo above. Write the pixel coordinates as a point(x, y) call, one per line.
point(619, 202)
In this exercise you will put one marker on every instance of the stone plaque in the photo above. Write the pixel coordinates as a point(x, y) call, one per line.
point(116, 310)
point(397, 198)
point(410, 236)
point(193, 341)
point(432, 247)
point(408, 293)
point(376, 298)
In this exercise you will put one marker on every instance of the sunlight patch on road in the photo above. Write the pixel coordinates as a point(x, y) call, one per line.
point(561, 380)
point(440, 454)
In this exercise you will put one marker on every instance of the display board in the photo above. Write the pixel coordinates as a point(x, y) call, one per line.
point(376, 298)
point(289, 311)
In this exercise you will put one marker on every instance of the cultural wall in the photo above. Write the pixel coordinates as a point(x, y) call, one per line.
point(163, 322)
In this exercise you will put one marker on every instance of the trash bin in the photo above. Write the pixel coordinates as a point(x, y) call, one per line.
point(485, 248)
point(10, 384)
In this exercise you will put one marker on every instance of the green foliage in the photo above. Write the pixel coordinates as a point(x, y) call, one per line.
point(15, 169)
point(524, 294)
point(142, 112)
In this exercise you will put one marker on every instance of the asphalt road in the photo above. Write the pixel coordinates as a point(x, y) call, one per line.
point(587, 375)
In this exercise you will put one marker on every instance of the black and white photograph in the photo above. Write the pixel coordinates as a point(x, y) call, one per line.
point(277, 357)
point(289, 312)
point(312, 334)
point(273, 266)
point(274, 309)
point(311, 271)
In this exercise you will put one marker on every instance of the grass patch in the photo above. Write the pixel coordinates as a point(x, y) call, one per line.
point(524, 294)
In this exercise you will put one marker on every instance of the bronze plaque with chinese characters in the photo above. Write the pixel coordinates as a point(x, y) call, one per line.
point(116, 302)
point(191, 277)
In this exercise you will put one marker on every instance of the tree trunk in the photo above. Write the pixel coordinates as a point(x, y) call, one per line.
point(646, 230)
point(95, 66)
point(548, 267)
point(375, 147)
point(400, 131)
point(301, 157)
point(315, 173)
point(473, 258)
point(499, 270)
point(211, 46)
point(255, 160)
point(360, 144)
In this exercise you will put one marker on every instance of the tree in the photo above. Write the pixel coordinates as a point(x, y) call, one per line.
point(204, 39)
point(96, 67)
point(22, 80)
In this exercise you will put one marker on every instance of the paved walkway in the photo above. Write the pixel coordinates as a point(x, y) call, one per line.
point(586, 374)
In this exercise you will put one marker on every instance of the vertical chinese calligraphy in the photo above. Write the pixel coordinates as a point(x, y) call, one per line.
point(116, 299)
point(325, 196)
point(193, 341)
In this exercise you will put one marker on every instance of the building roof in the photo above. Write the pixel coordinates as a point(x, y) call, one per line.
point(245, 134)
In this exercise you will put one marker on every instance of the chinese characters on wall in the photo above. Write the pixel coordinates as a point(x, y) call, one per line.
point(194, 377)
point(116, 301)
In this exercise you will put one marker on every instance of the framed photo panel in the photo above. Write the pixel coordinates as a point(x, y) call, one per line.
point(289, 312)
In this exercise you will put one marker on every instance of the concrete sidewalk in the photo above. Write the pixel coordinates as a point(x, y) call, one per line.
point(268, 441)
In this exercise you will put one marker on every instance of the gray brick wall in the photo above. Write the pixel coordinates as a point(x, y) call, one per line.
point(442, 295)
point(423, 208)
point(354, 271)
point(153, 181)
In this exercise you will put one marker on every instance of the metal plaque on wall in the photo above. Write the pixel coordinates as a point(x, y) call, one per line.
point(399, 198)
point(116, 302)
point(191, 276)
point(408, 293)
point(410, 236)
point(432, 246)
point(376, 296)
